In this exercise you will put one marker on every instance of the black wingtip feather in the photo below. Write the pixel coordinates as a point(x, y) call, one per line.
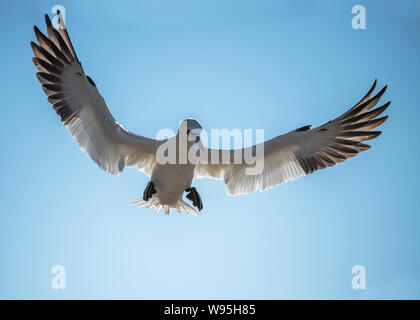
point(380, 93)
point(47, 19)
point(367, 115)
point(52, 87)
point(44, 77)
point(305, 128)
point(43, 39)
point(371, 89)
point(36, 30)
point(92, 83)
point(368, 94)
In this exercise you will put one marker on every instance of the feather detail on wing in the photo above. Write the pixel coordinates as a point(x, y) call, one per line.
point(302, 151)
point(83, 110)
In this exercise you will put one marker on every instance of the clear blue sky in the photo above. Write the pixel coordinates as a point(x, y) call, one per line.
point(276, 65)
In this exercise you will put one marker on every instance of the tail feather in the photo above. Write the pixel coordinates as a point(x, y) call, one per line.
point(154, 202)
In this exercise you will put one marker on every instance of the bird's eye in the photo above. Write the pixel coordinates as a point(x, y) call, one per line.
point(188, 131)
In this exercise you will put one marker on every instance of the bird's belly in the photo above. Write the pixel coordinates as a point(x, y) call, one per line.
point(171, 181)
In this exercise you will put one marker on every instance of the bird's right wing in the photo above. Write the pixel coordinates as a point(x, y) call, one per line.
point(299, 152)
point(83, 110)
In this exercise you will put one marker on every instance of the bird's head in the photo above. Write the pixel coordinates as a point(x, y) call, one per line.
point(191, 128)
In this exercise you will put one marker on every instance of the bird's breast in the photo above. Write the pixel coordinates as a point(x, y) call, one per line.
point(171, 180)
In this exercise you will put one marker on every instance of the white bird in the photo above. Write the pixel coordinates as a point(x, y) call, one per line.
point(83, 111)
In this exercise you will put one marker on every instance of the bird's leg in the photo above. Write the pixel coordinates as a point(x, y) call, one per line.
point(194, 197)
point(149, 191)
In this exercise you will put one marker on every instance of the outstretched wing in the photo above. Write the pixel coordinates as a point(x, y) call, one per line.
point(302, 151)
point(83, 110)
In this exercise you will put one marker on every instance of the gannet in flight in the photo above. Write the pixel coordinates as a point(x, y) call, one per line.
point(76, 99)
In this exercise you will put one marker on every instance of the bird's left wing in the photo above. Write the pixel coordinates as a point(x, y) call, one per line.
point(299, 152)
point(83, 110)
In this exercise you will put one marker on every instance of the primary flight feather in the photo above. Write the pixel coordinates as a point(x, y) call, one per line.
point(76, 99)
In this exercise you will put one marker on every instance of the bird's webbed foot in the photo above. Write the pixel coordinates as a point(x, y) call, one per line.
point(149, 191)
point(194, 197)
